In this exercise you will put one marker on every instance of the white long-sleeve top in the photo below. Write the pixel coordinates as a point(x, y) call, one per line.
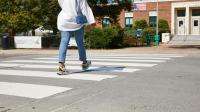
point(67, 17)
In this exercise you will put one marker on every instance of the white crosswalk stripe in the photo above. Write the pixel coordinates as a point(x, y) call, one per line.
point(7, 65)
point(30, 90)
point(111, 69)
point(107, 59)
point(114, 57)
point(81, 76)
point(103, 67)
point(93, 68)
point(77, 62)
point(135, 55)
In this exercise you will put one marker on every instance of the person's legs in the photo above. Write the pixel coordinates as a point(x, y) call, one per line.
point(65, 38)
point(79, 36)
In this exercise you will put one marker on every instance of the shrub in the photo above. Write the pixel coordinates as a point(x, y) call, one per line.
point(130, 32)
point(131, 41)
point(151, 31)
point(117, 41)
point(163, 27)
point(163, 24)
point(109, 37)
point(141, 24)
point(130, 38)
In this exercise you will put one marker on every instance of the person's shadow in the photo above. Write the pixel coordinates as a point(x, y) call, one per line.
point(102, 68)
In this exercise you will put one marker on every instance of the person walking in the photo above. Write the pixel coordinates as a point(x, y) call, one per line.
point(68, 25)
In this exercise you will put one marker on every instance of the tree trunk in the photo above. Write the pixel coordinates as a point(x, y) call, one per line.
point(11, 36)
point(33, 32)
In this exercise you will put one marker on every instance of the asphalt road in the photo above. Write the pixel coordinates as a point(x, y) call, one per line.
point(114, 83)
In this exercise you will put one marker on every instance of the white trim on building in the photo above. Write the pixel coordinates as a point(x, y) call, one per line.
point(128, 14)
point(153, 13)
point(147, 1)
point(183, 25)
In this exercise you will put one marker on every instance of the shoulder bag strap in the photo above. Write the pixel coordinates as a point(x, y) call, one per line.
point(78, 9)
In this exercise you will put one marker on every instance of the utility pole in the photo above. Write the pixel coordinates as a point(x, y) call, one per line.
point(157, 36)
point(157, 18)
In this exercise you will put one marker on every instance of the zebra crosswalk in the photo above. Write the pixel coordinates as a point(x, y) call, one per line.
point(103, 67)
point(30, 90)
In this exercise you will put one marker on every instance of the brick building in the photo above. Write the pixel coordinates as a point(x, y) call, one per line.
point(183, 16)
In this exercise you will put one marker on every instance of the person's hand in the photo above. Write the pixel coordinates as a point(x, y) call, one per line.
point(89, 27)
point(93, 25)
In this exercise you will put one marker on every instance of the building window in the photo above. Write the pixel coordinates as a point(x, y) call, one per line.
point(181, 13)
point(131, 1)
point(180, 23)
point(152, 21)
point(108, 1)
point(196, 23)
point(195, 12)
point(123, 1)
point(128, 19)
point(106, 22)
point(112, 1)
point(128, 22)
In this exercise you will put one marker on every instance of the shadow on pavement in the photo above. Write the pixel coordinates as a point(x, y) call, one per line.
point(103, 68)
point(185, 46)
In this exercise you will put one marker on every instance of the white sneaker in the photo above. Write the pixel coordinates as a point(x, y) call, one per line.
point(62, 71)
point(86, 65)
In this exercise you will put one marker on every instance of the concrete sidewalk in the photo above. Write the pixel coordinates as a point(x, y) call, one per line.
point(141, 50)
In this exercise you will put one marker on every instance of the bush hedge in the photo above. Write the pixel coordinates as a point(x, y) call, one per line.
point(114, 36)
point(140, 24)
point(130, 39)
point(110, 37)
point(163, 24)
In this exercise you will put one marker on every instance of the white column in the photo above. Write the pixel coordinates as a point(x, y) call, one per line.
point(172, 20)
point(187, 21)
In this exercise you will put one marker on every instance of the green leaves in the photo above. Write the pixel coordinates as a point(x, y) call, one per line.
point(26, 15)
point(141, 24)
point(102, 9)
point(163, 24)
point(18, 15)
point(104, 38)
point(49, 11)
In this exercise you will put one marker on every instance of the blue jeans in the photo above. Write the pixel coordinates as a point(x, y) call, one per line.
point(65, 38)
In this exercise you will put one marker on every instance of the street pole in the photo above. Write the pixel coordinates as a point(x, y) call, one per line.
point(157, 18)
point(157, 36)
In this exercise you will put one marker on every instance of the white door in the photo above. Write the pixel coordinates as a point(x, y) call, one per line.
point(181, 26)
point(196, 26)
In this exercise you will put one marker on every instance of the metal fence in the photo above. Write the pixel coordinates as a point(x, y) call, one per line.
point(51, 41)
point(48, 41)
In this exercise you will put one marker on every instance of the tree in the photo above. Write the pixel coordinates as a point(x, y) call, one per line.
point(49, 11)
point(18, 16)
point(26, 15)
point(102, 8)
